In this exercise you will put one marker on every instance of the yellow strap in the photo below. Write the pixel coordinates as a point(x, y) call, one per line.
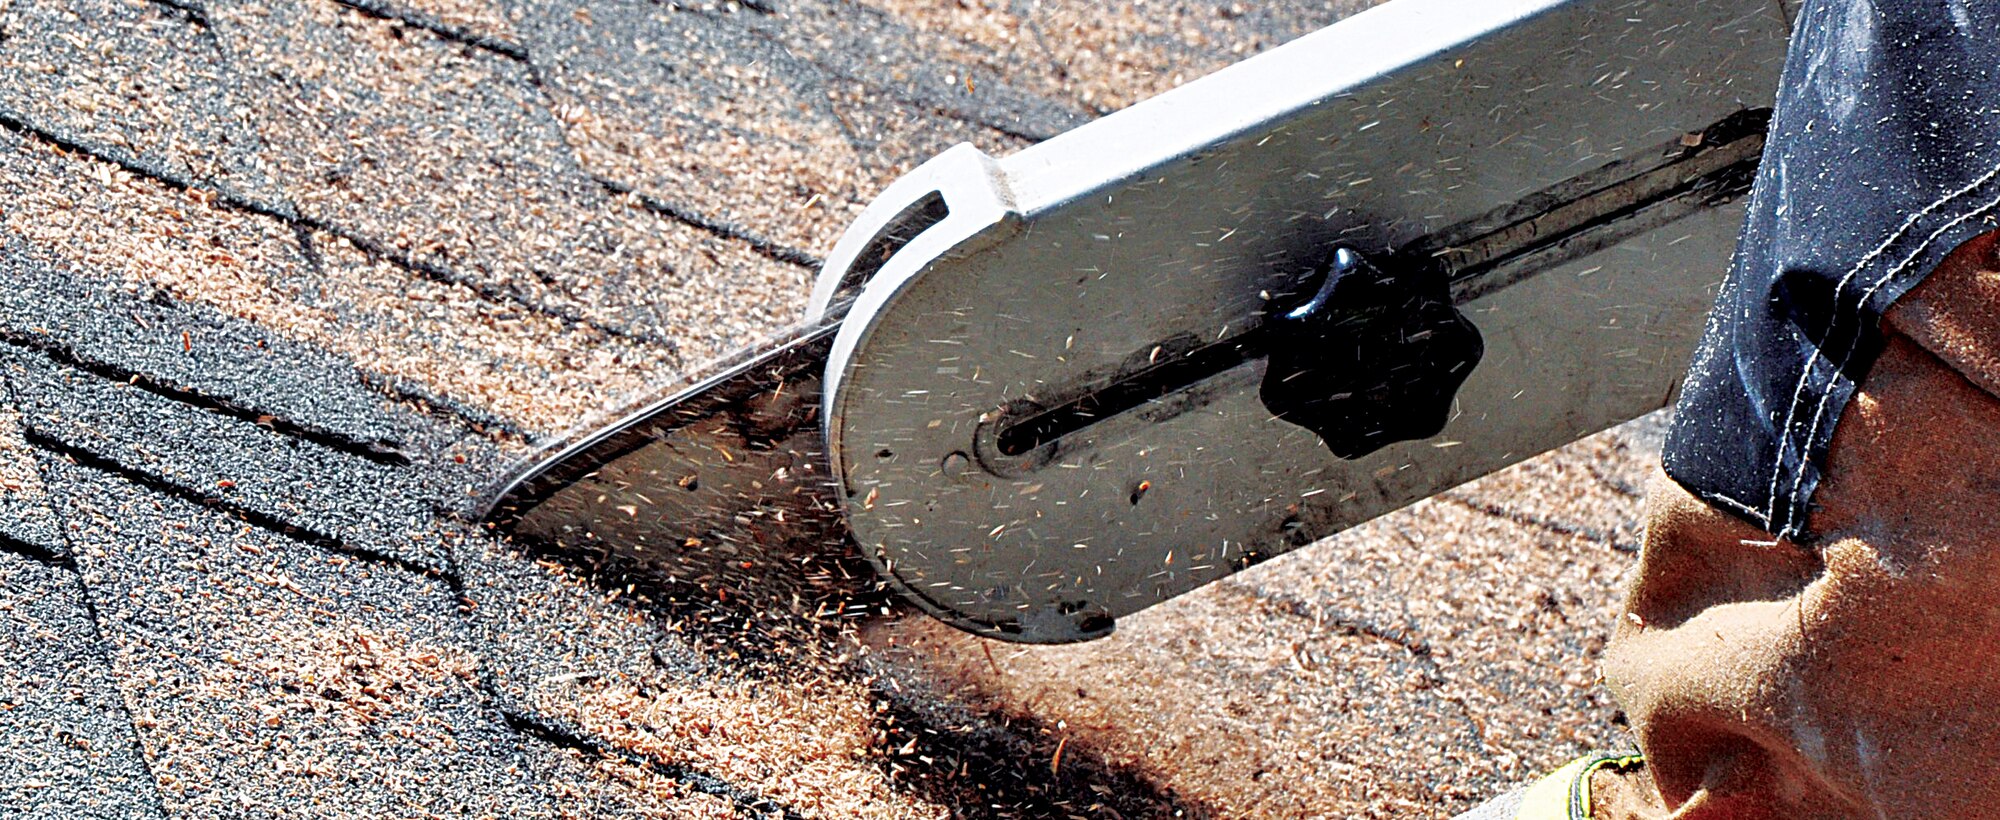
point(1564, 794)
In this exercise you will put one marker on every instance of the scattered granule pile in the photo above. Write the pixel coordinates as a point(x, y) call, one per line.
point(746, 691)
point(776, 697)
point(136, 78)
point(360, 677)
point(1250, 717)
point(801, 196)
point(609, 787)
point(1410, 666)
point(723, 115)
point(805, 740)
point(93, 216)
point(446, 155)
point(1106, 57)
point(539, 372)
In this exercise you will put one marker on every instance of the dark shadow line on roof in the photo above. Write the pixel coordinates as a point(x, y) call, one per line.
point(697, 780)
point(722, 228)
point(1289, 606)
point(457, 34)
point(140, 167)
point(481, 422)
point(942, 110)
point(947, 110)
point(764, 7)
point(495, 294)
point(194, 12)
point(1539, 523)
point(34, 552)
point(761, 245)
point(1421, 652)
point(437, 273)
point(378, 451)
point(85, 457)
point(1617, 485)
point(487, 424)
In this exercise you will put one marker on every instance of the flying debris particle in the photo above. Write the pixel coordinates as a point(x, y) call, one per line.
point(1139, 491)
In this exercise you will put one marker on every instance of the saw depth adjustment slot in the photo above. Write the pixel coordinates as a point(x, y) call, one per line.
point(1366, 360)
point(1028, 427)
point(1374, 354)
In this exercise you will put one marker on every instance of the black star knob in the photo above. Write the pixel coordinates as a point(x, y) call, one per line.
point(1371, 358)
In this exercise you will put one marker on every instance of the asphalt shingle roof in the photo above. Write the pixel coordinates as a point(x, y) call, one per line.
point(282, 282)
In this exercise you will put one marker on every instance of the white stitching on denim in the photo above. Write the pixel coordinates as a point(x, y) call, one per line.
point(1805, 374)
point(1743, 508)
point(1819, 413)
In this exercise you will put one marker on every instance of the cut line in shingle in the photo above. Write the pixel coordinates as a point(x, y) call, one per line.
point(456, 34)
point(696, 779)
point(104, 463)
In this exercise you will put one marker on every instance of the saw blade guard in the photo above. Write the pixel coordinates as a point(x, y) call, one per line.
point(1565, 136)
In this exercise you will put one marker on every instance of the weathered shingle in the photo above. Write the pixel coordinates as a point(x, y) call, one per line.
point(66, 743)
point(144, 82)
point(442, 155)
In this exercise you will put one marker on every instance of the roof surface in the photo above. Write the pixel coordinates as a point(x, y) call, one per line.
point(285, 281)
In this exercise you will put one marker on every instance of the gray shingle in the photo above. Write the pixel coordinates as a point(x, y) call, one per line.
point(271, 678)
point(121, 330)
point(324, 495)
point(67, 748)
point(144, 82)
